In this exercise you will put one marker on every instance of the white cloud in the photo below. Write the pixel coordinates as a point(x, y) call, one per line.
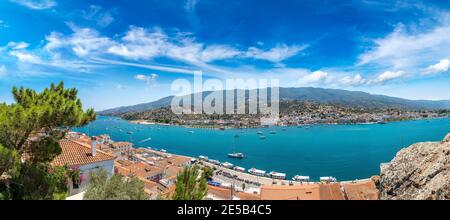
point(2, 24)
point(218, 52)
point(96, 13)
point(191, 5)
point(316, 77)
point(440, 67)
point(276, 54)
point(141, 44)
point(26, 57)
point(408, 50)
point(2, 70)
point(14, 46)
point(149, 79)
point(388, 76)
point(82, 41)
point(36, 4)
point(352, 81)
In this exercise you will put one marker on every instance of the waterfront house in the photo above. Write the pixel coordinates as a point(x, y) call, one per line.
point(85, 158)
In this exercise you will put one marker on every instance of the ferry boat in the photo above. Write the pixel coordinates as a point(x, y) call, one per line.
point(205, 158)
point(227, 165)
point(257, 172)
point(327, 179)
point(236, 155)
point(301, 178)
point(239, 169)
point(276, 175)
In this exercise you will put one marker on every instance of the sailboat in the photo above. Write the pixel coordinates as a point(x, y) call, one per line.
point(236, 155)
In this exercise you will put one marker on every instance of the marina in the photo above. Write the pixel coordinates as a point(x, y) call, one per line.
point(345, 152)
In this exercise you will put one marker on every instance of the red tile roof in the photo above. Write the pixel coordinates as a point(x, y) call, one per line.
point(75, 154)
point(302, 192)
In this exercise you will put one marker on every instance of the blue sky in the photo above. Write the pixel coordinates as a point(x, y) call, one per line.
point(127, 52)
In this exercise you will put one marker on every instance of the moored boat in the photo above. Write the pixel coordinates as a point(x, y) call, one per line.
point(227, 165)
point(257, 172)
point(327, 179)
point(216, 162)
point(239, 169)
point(301, 178)
point(262, 137)
point(276, 175)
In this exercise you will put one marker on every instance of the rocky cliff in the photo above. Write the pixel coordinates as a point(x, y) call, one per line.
point(421, 171)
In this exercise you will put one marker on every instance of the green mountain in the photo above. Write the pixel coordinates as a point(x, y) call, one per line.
point(318, 95)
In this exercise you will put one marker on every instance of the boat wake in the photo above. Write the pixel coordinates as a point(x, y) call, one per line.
point(146, 140)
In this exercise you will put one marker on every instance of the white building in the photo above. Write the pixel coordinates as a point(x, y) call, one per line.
point(85, 158)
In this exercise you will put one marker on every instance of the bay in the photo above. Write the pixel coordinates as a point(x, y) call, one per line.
point(346, 152)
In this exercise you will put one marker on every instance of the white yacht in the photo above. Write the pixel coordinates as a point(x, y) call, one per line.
point(216, 162)
point(301, 178)
point(276, 175)
point(236, 155)
point(227, 165)
point(327, 179)
point(257, 172)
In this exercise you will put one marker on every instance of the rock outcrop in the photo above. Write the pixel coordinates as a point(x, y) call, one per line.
point(419, 172)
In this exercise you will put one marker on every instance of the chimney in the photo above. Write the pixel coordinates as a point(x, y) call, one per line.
point(94, 146)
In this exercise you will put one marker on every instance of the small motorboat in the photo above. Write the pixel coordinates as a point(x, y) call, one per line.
point(236, 155)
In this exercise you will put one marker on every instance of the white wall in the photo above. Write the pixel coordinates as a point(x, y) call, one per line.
point(87, 169)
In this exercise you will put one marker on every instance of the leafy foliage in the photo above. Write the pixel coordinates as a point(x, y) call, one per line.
point(30, 130)
point(190, 185)
point(208, 172)
point(117, 187)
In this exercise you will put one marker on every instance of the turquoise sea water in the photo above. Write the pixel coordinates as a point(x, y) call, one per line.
point(346, 152)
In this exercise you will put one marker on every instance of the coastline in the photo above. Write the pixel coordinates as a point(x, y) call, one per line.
point(217, 127)
point(172, 147)
point(264, 180)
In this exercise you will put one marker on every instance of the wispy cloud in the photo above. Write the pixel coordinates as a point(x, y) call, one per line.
point(147, 78)
point(191, 5)
point(36, 4)
point(403, 49)
point(277, 54)
point(96, 13)
point(388, 76)
point(2, 70)
point(437, 68)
